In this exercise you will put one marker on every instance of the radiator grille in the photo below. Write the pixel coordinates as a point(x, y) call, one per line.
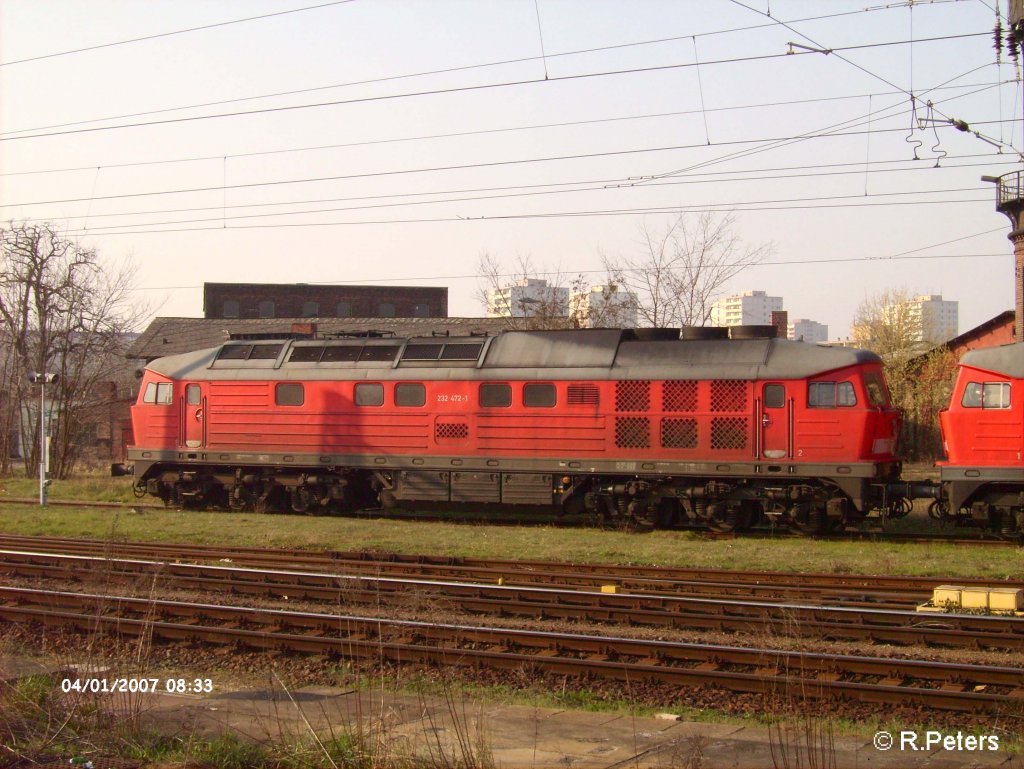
point(633, 395)
point(729, 433)
point(728, 395)
point(679, 395)
point(451, 431)
point(679, 433)
point(632, 432)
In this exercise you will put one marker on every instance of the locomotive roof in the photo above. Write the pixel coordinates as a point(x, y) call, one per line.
point(1007, 359)
point(571, 354)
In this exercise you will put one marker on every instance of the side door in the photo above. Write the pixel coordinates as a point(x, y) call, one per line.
point(194, 415)
point(776, 419)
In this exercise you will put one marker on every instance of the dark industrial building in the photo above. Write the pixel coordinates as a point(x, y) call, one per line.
point(304, 300)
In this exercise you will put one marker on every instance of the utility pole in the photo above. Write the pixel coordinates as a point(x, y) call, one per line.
point(44, 448)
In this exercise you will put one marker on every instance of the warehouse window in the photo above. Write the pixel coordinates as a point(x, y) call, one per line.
point(310, 309)
point(539, 396)
point(230, 308)
point(289, 394)
point(990, 395)
point(387, 310)
point(370, 394)
point(266, 309)
point(496, 395)
point(410, 394)
point(343, 310)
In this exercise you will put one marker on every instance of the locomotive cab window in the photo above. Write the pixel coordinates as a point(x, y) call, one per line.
point(497, 395)
point(160, 394)
point(830, 395)
point(193, 394)
point(410, 394)
point(369, 394)
point(875, 388)
point(164, 394)
point(289, 394)
point(988, 395)
point(539, 396)
point(774, 396)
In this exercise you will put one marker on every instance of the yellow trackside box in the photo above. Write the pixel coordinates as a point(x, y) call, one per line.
point(989, 600)
point(974, 598)
point(946, 594)
point(1005, 599)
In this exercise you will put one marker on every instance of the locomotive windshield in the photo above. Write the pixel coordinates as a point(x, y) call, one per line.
point(875, 387)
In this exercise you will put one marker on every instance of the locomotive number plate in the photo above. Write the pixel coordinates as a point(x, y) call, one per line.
point(445, 398)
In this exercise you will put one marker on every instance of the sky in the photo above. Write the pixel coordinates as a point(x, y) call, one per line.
point(397, 141)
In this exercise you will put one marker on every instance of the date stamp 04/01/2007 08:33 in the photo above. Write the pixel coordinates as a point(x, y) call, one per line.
point(179, 685)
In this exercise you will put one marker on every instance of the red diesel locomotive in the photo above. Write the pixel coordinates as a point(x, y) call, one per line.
point(633, 424)
point(983, 437)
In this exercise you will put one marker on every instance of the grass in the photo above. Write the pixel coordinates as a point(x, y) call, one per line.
point(667, 548)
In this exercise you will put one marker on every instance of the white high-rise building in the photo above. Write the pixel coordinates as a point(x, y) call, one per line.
point(938, 320)
point(751, 308)
point(527, 298)
point(804, 330)
point(609, 306)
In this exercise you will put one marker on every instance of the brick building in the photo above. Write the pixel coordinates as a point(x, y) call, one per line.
point(303, 300)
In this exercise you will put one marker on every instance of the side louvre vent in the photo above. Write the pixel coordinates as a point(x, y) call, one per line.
point(582, 395)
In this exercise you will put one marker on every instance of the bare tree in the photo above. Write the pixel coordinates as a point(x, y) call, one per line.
point(679, 271)
point(919, 373)
point(521, 297)
point(888, 324)
point(62, 313)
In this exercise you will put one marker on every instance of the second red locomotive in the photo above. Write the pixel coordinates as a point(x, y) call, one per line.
point(636, 424)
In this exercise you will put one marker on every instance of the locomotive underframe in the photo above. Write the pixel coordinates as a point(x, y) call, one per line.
point(724, 496)
point(988, 497)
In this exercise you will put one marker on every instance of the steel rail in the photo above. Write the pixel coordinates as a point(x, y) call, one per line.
point(831, 623)
point(792, 675)
point(637, 578)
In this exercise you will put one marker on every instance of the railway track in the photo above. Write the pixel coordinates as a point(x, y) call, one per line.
point(870, 535)
point(826, 623)
point(791, 676)
point(848, 589)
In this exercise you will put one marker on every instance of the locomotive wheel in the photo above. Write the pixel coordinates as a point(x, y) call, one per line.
point(666, 516)
point(813, 523)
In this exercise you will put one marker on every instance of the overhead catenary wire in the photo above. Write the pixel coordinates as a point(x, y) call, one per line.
point(431, 169)
point(447, 70)
point(541, 188)
point(481, 132)
point(448, 91)
point(171, 33)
